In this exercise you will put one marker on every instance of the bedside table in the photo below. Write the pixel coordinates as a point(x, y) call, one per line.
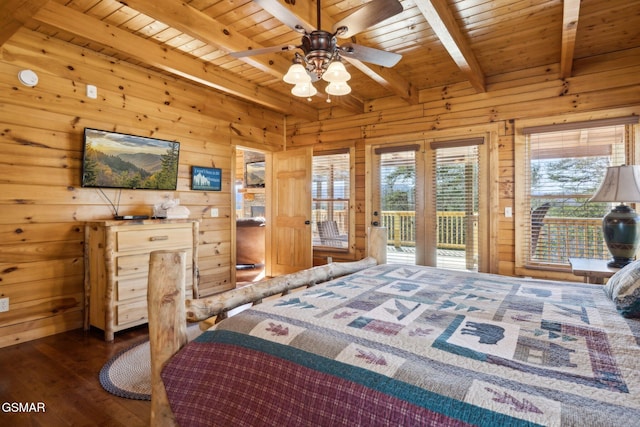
point(593, 270)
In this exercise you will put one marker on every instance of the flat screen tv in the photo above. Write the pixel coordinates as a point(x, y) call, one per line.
point(254, 174)
point(117, 160)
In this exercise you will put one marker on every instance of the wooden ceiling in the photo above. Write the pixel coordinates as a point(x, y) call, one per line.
point(442, 42)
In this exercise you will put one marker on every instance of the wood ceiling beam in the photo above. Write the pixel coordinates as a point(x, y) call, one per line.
point(386, 77)
point(190, 20)
point(170, 61)
point(14, 14)
point(389, 79)
point(443, 23)
point(570, 17)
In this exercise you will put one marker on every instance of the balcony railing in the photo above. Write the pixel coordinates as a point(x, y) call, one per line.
point(452, 228)
point(562, 238)
point(559, 239)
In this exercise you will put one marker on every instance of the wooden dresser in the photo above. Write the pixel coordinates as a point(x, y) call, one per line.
point(117, 267)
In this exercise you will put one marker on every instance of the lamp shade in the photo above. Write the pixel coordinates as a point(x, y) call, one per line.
point(338, 88)
point(304, 90)
point(297, 74)
point(336, 72)
point(620, 184)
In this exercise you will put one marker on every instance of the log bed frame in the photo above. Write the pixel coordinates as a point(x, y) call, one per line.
point(169, 312)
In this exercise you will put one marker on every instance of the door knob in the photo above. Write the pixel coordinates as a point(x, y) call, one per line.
point(307, 222)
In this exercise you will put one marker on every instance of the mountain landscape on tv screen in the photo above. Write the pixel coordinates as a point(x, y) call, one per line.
point(129, 170)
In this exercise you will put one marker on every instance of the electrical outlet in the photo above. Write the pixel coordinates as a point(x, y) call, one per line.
point(214, 212)
point(4, 304)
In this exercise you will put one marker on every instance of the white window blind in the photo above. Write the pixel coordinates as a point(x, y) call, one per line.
point(397, 189)
point(456, 187)
point(330, 191)
point(564, 165)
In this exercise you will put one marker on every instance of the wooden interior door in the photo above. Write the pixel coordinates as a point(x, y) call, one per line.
point(291, 248)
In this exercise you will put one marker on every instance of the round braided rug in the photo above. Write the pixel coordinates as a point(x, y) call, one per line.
point(127, 374)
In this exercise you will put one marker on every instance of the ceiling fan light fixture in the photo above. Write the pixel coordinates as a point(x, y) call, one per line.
point(304, 90)
point(336, 73)
point(297, 74)
point(338, 88)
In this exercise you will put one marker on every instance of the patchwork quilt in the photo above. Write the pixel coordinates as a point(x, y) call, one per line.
point(409, 345)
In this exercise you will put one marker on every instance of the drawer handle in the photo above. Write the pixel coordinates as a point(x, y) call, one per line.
point(155, 238)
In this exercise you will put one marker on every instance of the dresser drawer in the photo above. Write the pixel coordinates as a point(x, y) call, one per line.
point(131, 312)
point(127, 289)
point(153, 239)
point(139, 264)
point(131, 288)
point(132, 264)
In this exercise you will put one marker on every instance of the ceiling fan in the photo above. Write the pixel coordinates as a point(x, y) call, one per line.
point(321, 51)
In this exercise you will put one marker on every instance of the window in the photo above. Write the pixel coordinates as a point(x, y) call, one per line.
point(564, 166)
point(331, 193)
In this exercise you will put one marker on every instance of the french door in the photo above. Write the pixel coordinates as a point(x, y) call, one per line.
point(427, 195)
point(398, 202)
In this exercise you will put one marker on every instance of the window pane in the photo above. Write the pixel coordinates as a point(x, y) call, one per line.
point(565, 169)
point(456, 189)
point(398, 203)
point(330, 190)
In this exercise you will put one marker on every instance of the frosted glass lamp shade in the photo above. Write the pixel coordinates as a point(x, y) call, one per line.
point(336, 72)
point(304, 90)
point(338, 88)
point(297, 74)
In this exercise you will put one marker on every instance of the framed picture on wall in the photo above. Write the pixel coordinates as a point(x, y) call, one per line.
point(206, 179)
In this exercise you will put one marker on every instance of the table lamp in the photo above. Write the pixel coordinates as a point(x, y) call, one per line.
point(621, 226)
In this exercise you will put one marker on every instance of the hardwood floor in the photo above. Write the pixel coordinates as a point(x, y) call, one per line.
point(60, 372)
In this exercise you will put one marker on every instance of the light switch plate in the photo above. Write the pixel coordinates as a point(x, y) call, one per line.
point(92, 92)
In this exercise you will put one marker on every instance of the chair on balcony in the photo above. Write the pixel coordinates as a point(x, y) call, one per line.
point(537, 221)
point(330, 235)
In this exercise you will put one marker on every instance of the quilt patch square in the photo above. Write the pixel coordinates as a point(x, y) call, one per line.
point(372, 359)
point(401, 288)
point(479, 337)
point(280, 332)
point(536, 409)
point(571, 314)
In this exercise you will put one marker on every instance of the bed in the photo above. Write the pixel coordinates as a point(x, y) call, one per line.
point(410, 345)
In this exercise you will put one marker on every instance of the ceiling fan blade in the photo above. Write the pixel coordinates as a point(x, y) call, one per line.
point(368, 54)
point(285, 16)
point(252, 52)
point(367, 16)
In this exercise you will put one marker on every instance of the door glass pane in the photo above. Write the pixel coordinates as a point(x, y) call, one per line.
point(456, 190)
point(330, 189)
point(398, 205)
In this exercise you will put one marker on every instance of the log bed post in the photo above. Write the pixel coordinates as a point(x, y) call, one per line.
point(167, 324)
point(378, 244)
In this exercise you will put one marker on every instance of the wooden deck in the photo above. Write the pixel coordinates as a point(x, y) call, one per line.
point(451, 259)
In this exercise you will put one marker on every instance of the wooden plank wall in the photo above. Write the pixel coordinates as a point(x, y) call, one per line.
point(42, 206)
point(605, 86)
